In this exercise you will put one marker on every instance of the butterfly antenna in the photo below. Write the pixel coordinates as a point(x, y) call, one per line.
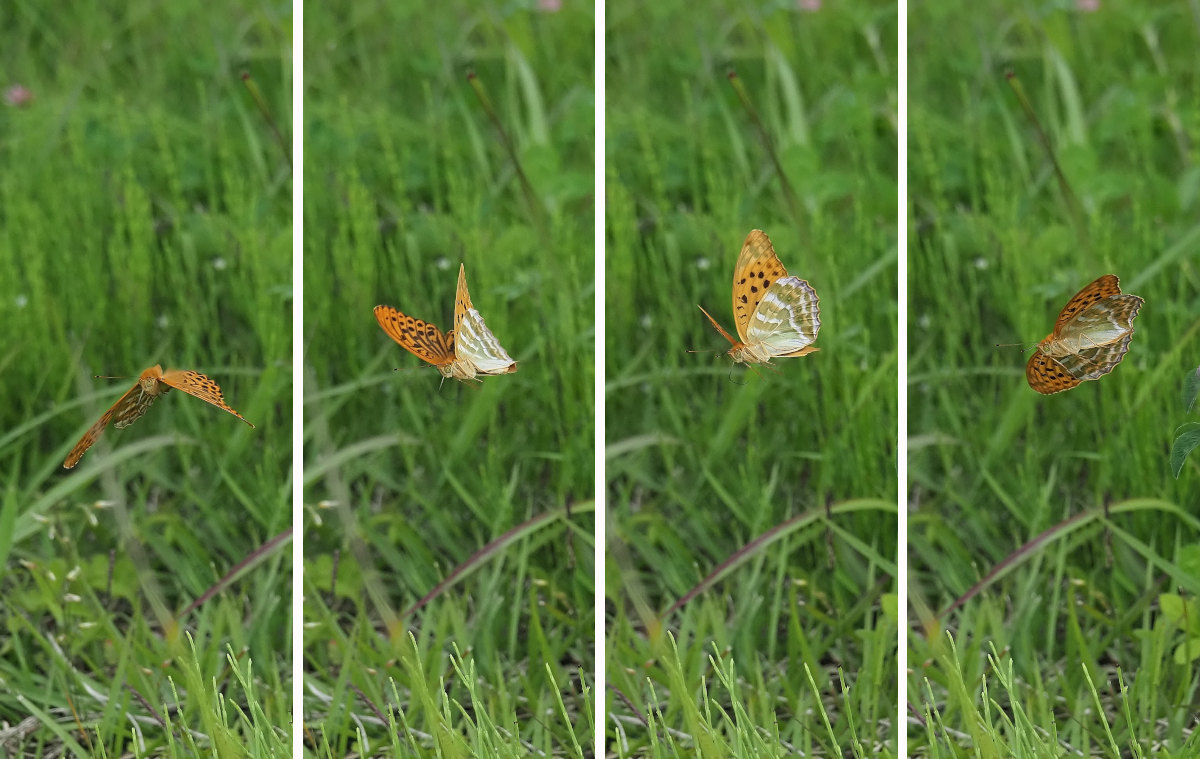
point(108, 376)
point(1022, 346)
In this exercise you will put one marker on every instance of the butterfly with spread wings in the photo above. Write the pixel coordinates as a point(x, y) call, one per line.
point(153, 383)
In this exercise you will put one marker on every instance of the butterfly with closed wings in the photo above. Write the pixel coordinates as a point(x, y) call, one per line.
point(777, 316)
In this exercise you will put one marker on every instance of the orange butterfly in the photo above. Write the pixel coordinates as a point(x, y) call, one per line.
point(153, 383)
point(1090, 338)
point(777, 316)
point(468, 350)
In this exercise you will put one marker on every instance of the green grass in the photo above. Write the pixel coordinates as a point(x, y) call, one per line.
point(996, 250)
point(407, 478)
point(144, 218)
point(702, 458)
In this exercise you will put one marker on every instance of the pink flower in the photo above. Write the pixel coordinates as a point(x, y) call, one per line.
point(549, 6)
point(808, 6)
point(18, 96)
point(1087, 6)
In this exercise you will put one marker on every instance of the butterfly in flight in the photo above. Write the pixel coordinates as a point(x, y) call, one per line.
point(777, 316)
point(153, 383)
point(1090, 338)
point(463, 353)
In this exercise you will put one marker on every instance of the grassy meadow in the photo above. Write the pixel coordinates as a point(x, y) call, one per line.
point(144, 219)
point(409, 480)
point(1082, 642)
point(792, 648)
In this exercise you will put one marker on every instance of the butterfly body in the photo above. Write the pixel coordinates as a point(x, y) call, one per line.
point(1090, 338)
point(464, 353)
point(152, 383)
point(776, 315)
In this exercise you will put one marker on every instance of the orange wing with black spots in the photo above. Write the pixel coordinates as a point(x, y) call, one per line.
point(1102, 288)
point(1047, 375)
point(420, 338)
point(195, 383)
point(756, 270)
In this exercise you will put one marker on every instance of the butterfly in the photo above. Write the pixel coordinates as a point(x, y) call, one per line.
point(1091, 337)
point(468, 350)
point(153, 383)
point(777, 316)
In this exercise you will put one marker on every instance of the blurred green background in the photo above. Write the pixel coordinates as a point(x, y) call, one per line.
point(144, 218)
point(995, 252)
point(702, 457)
point(406, 478)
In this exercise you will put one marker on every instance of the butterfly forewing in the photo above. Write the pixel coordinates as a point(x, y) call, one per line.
point(1104, 287)
point(756, 270)
point(197, 384)
point(720, 329)
point(462, 298)
point(422, 339)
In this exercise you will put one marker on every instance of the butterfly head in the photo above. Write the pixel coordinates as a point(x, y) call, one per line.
point(149, 380)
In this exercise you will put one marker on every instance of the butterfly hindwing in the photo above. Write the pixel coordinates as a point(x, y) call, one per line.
point(133, 410)
point(473, 341)
point(787, 319)
point(1097, 361)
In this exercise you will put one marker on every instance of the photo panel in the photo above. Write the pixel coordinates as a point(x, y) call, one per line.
point(145, 251)
point(448, 379)
point(750, 461)
point(1053, 280)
